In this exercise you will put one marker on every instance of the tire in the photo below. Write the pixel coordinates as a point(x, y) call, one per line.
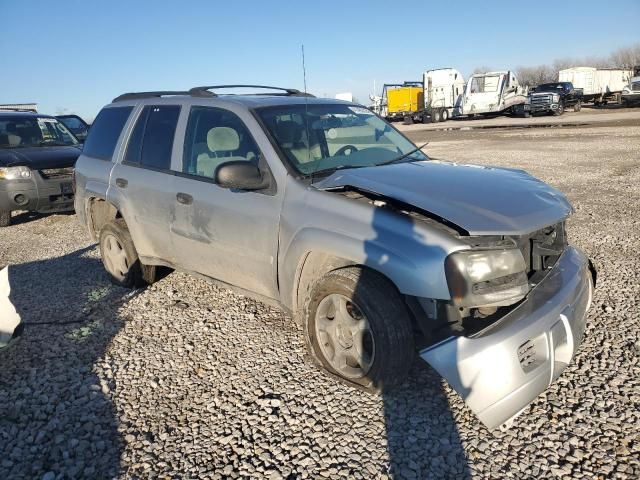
point(578, 106)
point(386, 336)
point(445, 115)
point(120, 258)
point(5, 218)
point(408, 120)
point(435, 115)
point(560, 110)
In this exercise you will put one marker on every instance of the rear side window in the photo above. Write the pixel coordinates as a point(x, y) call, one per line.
point(105, 131)
point(151, 141)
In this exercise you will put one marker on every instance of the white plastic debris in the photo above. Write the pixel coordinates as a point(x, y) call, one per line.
point(9, 318)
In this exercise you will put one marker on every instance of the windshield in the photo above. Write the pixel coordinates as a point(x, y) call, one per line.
point(485, 83)
point(327, 137)
point(20, 132)
point(549, 87)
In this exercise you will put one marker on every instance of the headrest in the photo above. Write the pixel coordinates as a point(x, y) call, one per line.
point(223, 139)
point(288, 131)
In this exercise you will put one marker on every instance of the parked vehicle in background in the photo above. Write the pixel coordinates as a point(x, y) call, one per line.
point(322, 207)
point(402, 100)
point(445, 96)
point(494, 93)
point(17, 107)
point(11, 325)
point(37, 155)
point(555, 98)
point(76, 124)
point(599, 85)
point(631, 93)
point(443, 91)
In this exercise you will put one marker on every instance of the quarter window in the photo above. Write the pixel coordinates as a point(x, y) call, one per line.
point(105, 131)
point(215, 136)
point(151, 141)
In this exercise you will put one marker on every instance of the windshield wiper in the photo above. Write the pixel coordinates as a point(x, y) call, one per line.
point(403, 156)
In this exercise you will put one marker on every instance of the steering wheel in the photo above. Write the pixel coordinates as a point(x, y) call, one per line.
point(345, 149)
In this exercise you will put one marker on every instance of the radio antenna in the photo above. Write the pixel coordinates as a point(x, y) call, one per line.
point(306, 110)
point(304, 72)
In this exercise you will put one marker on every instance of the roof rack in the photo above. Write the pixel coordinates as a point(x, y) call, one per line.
point(138, 95)
point(206, 90)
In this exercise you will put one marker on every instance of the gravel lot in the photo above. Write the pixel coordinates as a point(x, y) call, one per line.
point(185, 379)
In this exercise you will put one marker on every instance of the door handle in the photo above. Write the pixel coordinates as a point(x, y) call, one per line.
point(184, 198)
point(121, 182)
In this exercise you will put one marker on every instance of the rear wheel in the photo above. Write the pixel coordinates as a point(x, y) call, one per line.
point(436, 115)
point(357, 327)
point(445, 115)
point(120, 258)
point(577, 107)
point(5, 218)
point(408, 120)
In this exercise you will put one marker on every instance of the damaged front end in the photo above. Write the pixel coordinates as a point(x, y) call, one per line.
point(10, 322)
point(515, 316)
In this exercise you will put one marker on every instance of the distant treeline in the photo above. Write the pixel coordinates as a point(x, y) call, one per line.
point(626, 57)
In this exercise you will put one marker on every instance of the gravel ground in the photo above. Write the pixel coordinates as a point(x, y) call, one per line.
point(186, 380)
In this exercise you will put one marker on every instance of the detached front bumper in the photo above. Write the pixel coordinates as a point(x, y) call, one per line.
point(502, 369)
point(37, 193)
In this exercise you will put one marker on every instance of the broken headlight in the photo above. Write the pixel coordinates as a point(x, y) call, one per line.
point(14, 173)
point(486, 277)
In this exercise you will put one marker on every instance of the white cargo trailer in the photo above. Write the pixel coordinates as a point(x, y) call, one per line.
point(598, 84)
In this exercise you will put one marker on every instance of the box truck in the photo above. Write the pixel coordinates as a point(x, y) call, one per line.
point(598, 84)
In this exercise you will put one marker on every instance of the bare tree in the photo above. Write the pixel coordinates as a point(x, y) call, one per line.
point(482, 69)
point(532, 76)
point(626, 57)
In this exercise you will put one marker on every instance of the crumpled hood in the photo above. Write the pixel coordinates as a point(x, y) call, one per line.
point(38, 158)
point(480, 200)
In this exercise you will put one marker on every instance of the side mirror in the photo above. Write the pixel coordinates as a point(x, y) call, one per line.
point(241, 175)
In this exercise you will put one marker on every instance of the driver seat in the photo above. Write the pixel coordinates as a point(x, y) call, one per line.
point(291, 136)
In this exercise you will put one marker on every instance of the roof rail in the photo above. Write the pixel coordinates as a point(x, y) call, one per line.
point(205, 91)
point(138, 95)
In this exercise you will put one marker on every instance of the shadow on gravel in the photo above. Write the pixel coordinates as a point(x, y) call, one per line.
point(55, 414)
point(26, 217)
point(422, 437)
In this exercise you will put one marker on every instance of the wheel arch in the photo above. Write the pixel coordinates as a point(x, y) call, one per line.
point(99, 212)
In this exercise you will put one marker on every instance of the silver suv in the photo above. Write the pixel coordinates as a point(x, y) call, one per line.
point(325, 209)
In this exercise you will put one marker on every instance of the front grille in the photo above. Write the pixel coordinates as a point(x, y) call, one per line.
point(542, 248)
point(51, 173)
point(541, 99)
point(635, 86)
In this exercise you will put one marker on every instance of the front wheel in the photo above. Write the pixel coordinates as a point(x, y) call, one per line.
point(560, 110)
point(357, 328)
point(5, 218)
point(120, 258)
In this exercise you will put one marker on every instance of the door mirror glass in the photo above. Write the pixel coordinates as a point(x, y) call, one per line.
point(241, 175)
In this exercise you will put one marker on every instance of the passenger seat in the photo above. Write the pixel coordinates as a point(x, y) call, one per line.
point(222, 142)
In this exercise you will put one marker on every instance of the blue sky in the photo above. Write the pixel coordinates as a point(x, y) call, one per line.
point(78, 55)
